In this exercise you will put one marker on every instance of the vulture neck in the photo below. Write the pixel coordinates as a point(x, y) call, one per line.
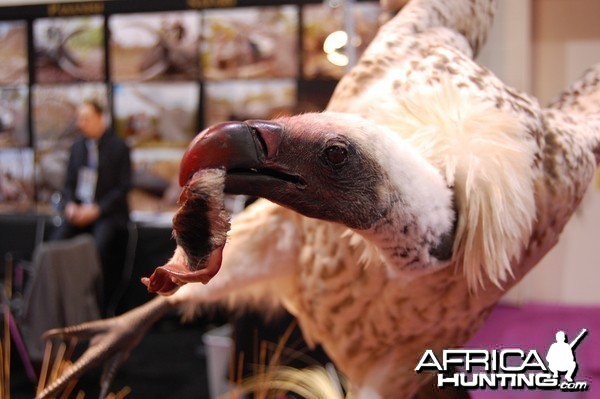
point(416, 231)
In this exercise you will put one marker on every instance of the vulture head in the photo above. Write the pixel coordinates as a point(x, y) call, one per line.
point(340, 168)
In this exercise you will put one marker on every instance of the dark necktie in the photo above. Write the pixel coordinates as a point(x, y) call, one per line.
point(92, 148)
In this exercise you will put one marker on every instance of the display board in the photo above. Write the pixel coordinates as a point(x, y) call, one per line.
point(164, 71)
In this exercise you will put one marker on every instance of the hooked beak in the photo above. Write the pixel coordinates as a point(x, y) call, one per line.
point(248, 151)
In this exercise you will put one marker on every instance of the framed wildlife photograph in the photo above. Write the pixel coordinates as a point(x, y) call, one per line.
point(250, 43)
point(13, 53)
point(69, 49)
point(14, 108)
point(156, 114)
point(16, 179)
point(154, 46)
point(248, 99)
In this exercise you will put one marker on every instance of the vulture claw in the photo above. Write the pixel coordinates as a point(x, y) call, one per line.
point(110, 370)
point(111, 342)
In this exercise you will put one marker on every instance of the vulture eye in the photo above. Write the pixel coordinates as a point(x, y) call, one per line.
point(336, 154)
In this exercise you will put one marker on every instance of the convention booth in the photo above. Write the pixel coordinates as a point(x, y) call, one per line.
point(165, 70)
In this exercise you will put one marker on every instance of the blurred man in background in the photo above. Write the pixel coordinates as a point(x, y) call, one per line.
point(98, 179)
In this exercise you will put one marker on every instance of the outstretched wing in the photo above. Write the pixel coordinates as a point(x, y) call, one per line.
point(419, 79)
point(571, 154)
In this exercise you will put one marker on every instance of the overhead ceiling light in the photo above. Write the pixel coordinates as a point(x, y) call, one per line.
point(338, 59)
point(334, 46)
point(335, 41)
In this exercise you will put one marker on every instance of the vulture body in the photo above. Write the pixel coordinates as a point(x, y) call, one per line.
point(400, 215)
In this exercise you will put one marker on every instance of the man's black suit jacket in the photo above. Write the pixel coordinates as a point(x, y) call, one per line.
point(114, 175)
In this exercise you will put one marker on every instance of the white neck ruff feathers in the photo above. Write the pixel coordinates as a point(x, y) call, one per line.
point(485, 156)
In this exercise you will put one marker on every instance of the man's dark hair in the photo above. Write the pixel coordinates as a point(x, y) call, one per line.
point(95, 104)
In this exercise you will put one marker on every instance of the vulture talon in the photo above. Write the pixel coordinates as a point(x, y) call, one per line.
point(111, 341)
point(110, 371)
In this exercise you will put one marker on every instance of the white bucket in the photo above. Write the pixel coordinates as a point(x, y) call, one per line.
point(218, 344)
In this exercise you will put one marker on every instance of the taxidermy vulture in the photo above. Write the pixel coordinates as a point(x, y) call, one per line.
point(396, 219)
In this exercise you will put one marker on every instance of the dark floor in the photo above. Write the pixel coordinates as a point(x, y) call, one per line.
point(171, 360)
point(168, 363)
